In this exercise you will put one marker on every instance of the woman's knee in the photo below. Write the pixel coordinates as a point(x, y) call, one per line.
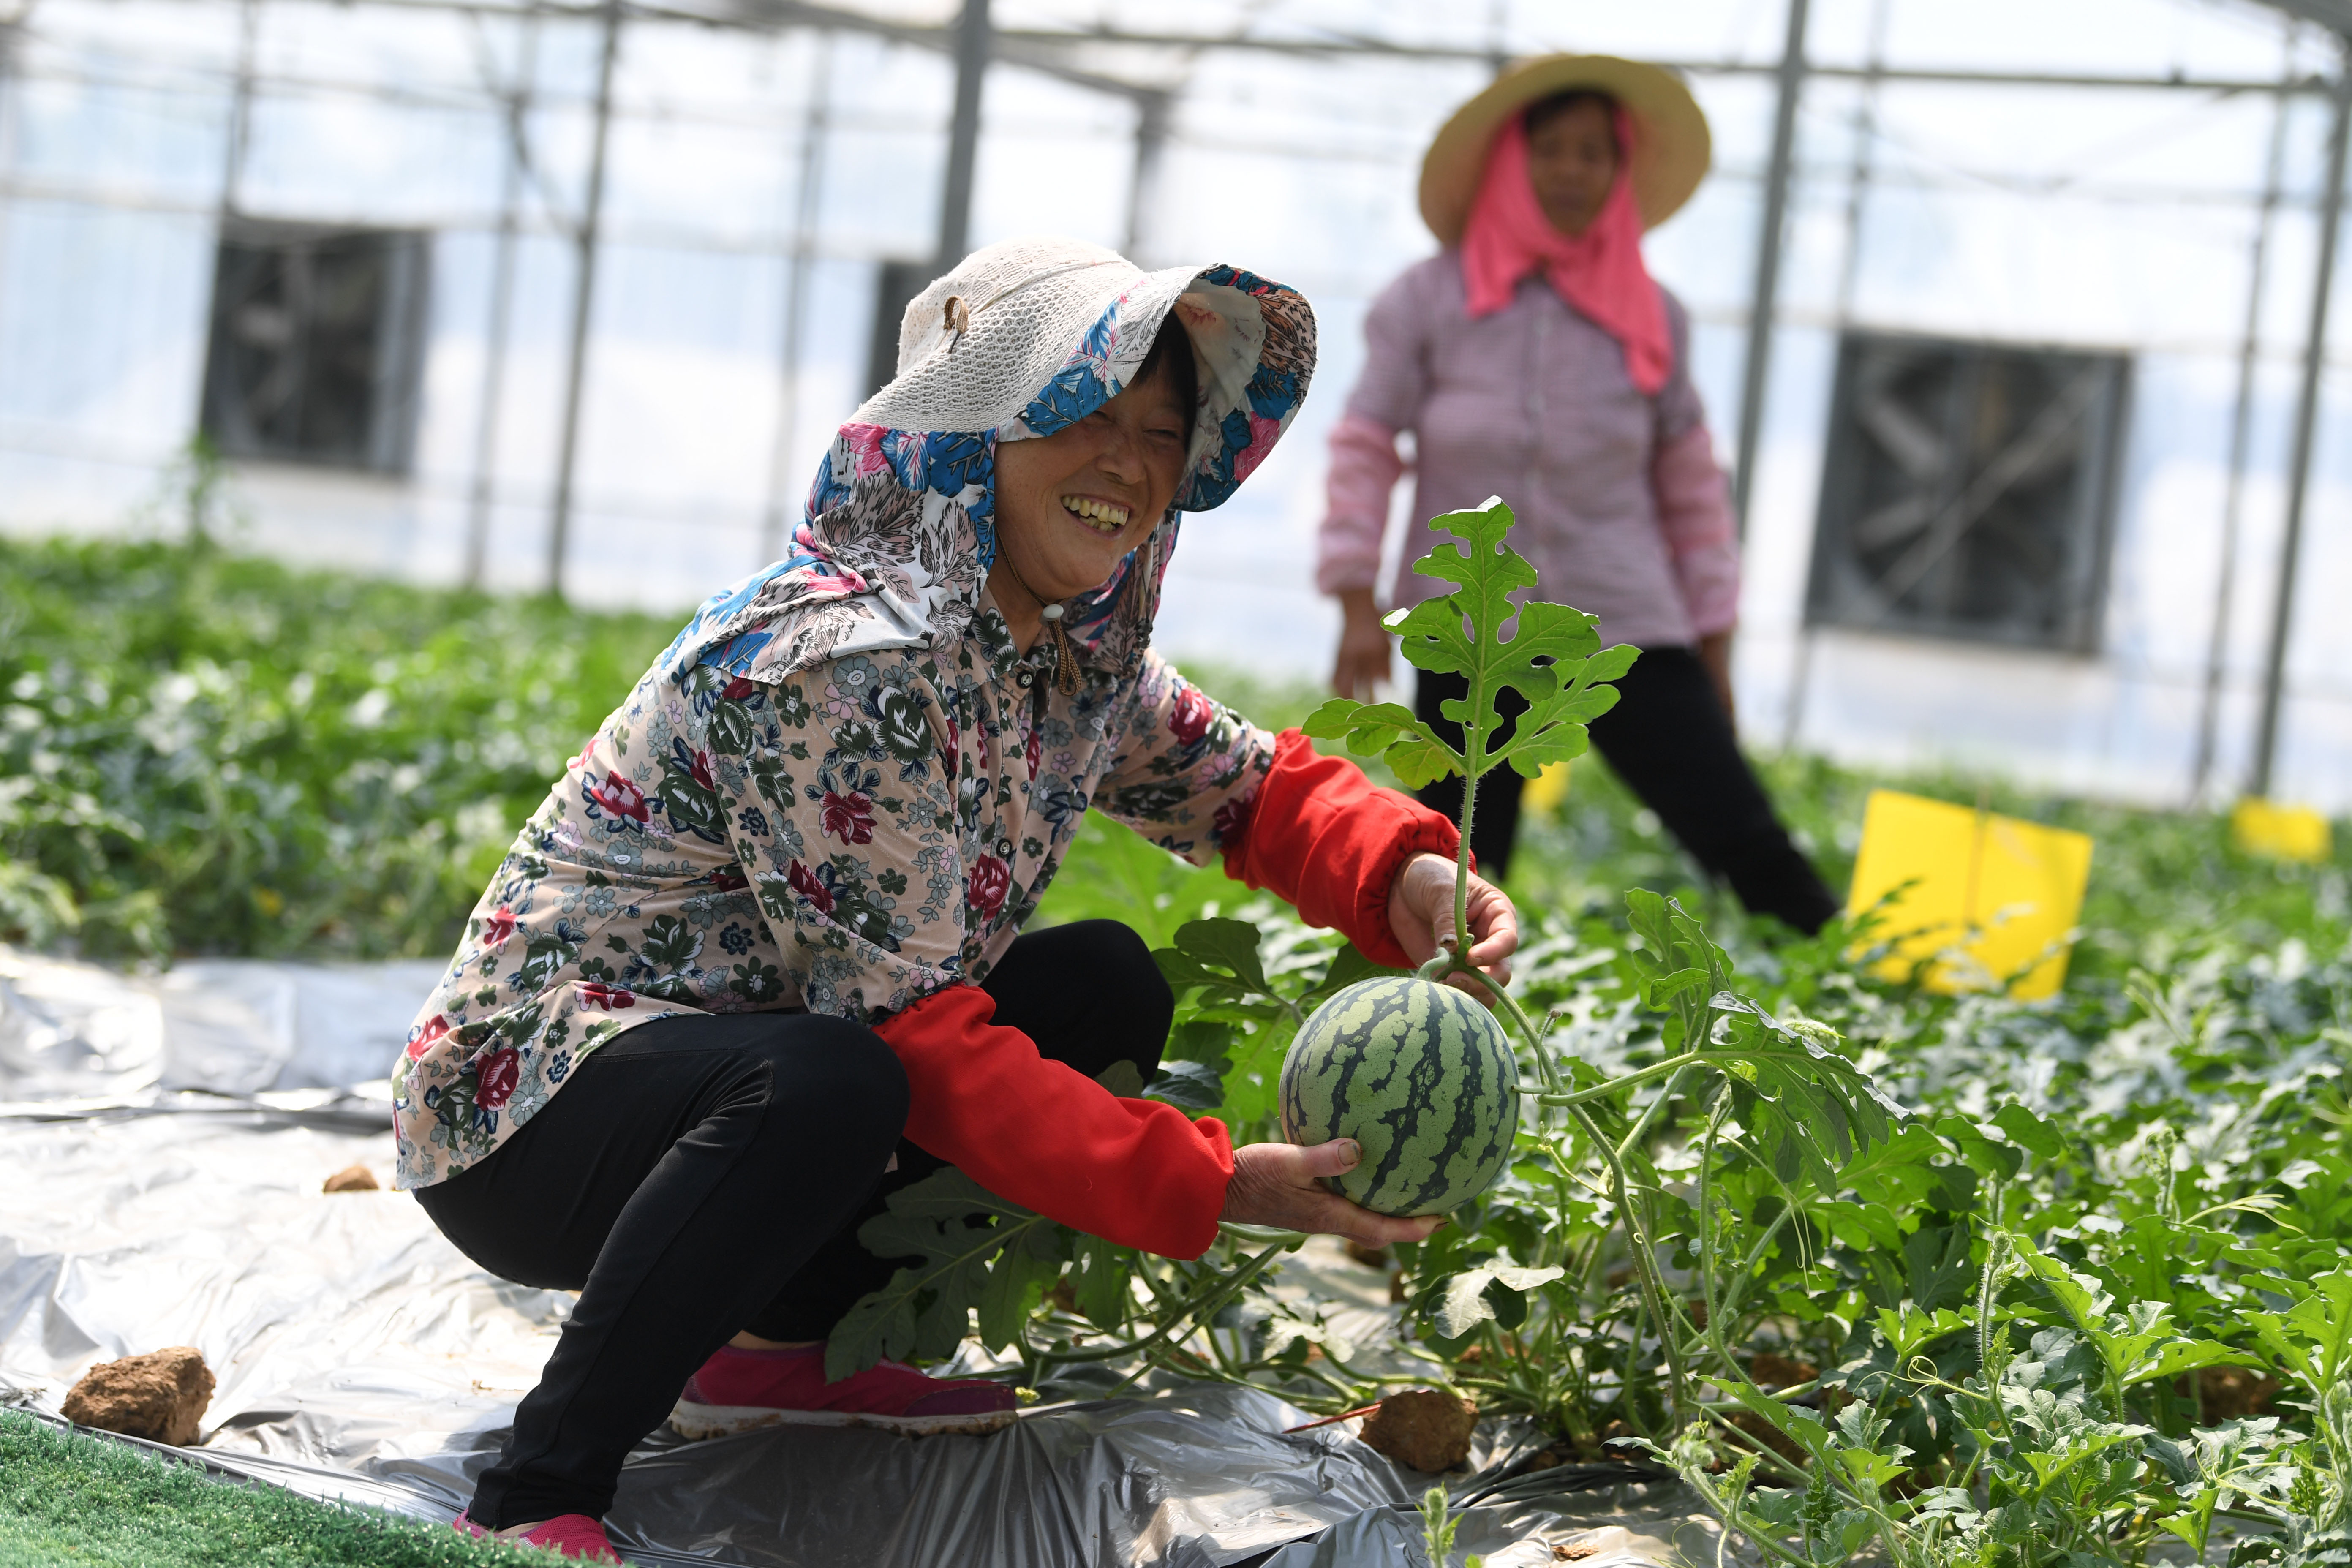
point(1118, 962)
point(841, 1070)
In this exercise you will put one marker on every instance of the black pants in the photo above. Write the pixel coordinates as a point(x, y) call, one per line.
point(1670, 741)
point(701, 1177)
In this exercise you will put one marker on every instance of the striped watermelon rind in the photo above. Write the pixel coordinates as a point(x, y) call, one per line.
point(1418, 1074)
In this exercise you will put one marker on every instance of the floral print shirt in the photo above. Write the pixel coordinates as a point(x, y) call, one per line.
point(842, 839)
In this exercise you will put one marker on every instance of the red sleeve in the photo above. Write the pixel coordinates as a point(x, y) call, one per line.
point(1325, 839)
point(1135, 1172)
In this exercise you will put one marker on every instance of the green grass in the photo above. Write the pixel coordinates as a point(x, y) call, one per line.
point(66, 1498)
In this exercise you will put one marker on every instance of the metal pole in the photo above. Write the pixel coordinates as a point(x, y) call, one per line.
point(2306, 420)
point(1498, 33)
point(583, 292)
point(1151, 117)
point(12, 29)
point(1764, 296)
point(963, 136)
point(2241, 420)
point(804, 219)
point(502, 269)
point(1857, 191)
point(240, 110)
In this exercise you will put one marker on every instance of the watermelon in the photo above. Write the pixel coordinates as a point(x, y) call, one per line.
point(1418, 1074)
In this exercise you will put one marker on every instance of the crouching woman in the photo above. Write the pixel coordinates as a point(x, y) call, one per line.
point(758, 959)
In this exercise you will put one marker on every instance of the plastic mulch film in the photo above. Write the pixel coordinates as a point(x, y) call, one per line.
point(166, 1140)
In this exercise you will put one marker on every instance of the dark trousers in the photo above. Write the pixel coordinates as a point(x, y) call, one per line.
point(1670, 741)
point(705, 1176)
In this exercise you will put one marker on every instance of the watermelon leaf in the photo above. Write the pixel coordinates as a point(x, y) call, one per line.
point(1099, 1284)
point(1347, 966)
point(954, 1227)
point(1218, 958)
point(1123, 1078)
point(1466, 1299)
point(1553, 659)
point(1189, 1086)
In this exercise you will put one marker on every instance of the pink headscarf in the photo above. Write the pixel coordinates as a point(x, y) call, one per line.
point(1599, 272)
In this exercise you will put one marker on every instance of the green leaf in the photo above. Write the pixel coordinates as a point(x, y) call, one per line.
point(1098, 1281)
point(2314, 1336)
point(1552, 658)
point(1227, 944)
point(1347, 966)
point(954, 1226)
point(1188, 1086)
point(1389, 730)
point(1463, 1302)
point(1123, 1078)
point(1657, 993)
point(2029, 1131)
point(1016, 1283)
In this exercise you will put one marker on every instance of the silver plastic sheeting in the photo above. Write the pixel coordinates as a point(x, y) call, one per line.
point(166, 1139)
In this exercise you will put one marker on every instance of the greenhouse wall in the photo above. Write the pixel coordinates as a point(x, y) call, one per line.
point(750, 168)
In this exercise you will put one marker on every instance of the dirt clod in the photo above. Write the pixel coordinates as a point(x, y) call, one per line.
point(1379, 1258)
point(1576, 1552)
point(160, 1397)
point(1773, 1371)
point(2229, 1392)
point(1423, 1428)
point(350, 1179)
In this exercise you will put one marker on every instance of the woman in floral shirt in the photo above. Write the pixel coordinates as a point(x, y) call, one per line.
point(762, 941)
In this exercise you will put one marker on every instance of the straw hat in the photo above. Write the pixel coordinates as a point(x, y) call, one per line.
point(1670, 154)
point(1023, 337)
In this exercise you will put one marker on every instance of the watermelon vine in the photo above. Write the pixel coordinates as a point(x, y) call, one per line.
point(1933, 1338)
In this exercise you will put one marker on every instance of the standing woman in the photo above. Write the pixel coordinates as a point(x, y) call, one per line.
point(1535, 358)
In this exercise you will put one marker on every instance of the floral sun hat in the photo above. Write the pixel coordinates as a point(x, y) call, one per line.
point(1021, 340)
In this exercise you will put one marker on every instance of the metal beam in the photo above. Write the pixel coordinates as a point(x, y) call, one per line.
point(1050, 51)
point(1152, 116)
point(1765, 295)
point(2335, 15)
point(517, 97)
point(1045, 52)
point(963, 133)
point(1859, 171)
point(2242, 422)
point(2306, 420)
point(806, 199)
point(559, 531)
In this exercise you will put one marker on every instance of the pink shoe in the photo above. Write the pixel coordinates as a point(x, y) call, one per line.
point(567, 1534)
point(739, 1391)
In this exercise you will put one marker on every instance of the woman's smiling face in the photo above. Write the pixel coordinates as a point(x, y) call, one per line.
point(1071, 505)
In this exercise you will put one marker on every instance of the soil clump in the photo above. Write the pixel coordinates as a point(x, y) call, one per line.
point(160, 1397)
point(1423, 1428)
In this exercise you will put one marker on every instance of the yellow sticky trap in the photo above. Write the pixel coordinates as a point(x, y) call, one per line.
point(1993, 899)
point(1546, 791)
point(2279, 832)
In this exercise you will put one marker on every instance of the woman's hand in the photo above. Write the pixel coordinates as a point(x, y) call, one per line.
point(1363, 646)
point(1421, 913)
point(1279, 1184)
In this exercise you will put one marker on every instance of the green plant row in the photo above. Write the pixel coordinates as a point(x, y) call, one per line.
point(205, 754)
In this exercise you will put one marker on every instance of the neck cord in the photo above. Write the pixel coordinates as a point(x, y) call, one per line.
point(1066, 663)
